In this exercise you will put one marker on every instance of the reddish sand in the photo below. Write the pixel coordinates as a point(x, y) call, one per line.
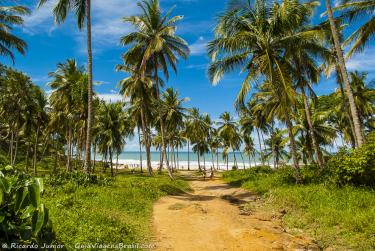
point(216, 216)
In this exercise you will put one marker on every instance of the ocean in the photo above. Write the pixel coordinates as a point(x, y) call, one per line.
point(132, 159)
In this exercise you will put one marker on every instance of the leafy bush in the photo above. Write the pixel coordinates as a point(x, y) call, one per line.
point(78, 178)
point(23, 218)
point(356, 166)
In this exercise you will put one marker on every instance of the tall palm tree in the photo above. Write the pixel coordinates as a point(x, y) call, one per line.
point(139, 90)
point(155, 46)
point(344, 74)
point(229, 133)
point(11, 16)
point(66, 80)
point(249, 149)
point(82, 11)
point(276, 147)
point(172, 113)
point(257, 38)
point(198, 130)
point(358, 9)
point(114, 128)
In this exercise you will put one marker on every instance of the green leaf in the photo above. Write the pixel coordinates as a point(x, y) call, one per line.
point(34, 194)
point(26, 233)
point(2, 217)
point(4, 185)
point(8, 168)
point(27, 212)
point(39, 220)
point(39, 181)
point(20, 197)
point(1, 196)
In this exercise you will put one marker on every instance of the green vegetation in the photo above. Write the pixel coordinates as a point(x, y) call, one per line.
point(23, 217)
point(118, 212)
point(282, 51)
point(339, 217)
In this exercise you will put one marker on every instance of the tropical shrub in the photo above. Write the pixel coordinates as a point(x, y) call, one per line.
point(23, 218)
point(78, 178)
point(356, 166)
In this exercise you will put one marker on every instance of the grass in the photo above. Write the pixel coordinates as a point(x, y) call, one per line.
point(111, 214)
point(337, 217)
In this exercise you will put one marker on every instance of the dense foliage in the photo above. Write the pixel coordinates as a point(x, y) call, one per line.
point(356, 166)
point(24, 218)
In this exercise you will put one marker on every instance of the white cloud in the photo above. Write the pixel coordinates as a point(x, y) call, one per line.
point(198, 47)
point(196, 66)
point(362, 62)
point(111, 97)
point(107, 25)
point(41, 19)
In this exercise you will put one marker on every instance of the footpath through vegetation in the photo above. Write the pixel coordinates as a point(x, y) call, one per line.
point(217, 216)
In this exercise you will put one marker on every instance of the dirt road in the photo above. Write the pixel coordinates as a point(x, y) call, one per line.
point(216, 216)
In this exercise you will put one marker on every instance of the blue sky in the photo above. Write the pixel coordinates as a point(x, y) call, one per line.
point(49, 44)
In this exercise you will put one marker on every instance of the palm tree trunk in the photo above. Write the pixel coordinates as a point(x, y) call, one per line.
point(147, 146)
point(110, 159)
point(199, 163)
point(116, 162)
point(293, 147)
point(243, 161)
point(56, 159)
point(140, 149)
point(178, 164)
point(255, 163)
point(264, 144)
point(217, 160)
point(249, 161)
point(260, 147)
point(234, 158)
point(188, 155)
point(27, 158)
point(11, 147)
point(69, 155)
point(173, 159)
point(341, 62)
point(35, 150)
point(204, 162)
point(311, 130)
point(90, 115)
point(161, 121)
point(346, 109)
point(227, 158)
point(212, 159)
point(93, 166)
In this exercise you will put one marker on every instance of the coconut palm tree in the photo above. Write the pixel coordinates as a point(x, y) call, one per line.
point(249, 149)
point(139, 90)
point(344, 74)
point(11, 16)
point(82, 11)
point(276, 147)
point(66, 80)
point(227, 129)
point(198, 131)
point(277, 105)
point(353, 10)
point(155, 46)
point(114, 128)
point(257, 38)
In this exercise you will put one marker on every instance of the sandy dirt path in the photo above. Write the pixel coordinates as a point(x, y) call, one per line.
point(216, 216)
